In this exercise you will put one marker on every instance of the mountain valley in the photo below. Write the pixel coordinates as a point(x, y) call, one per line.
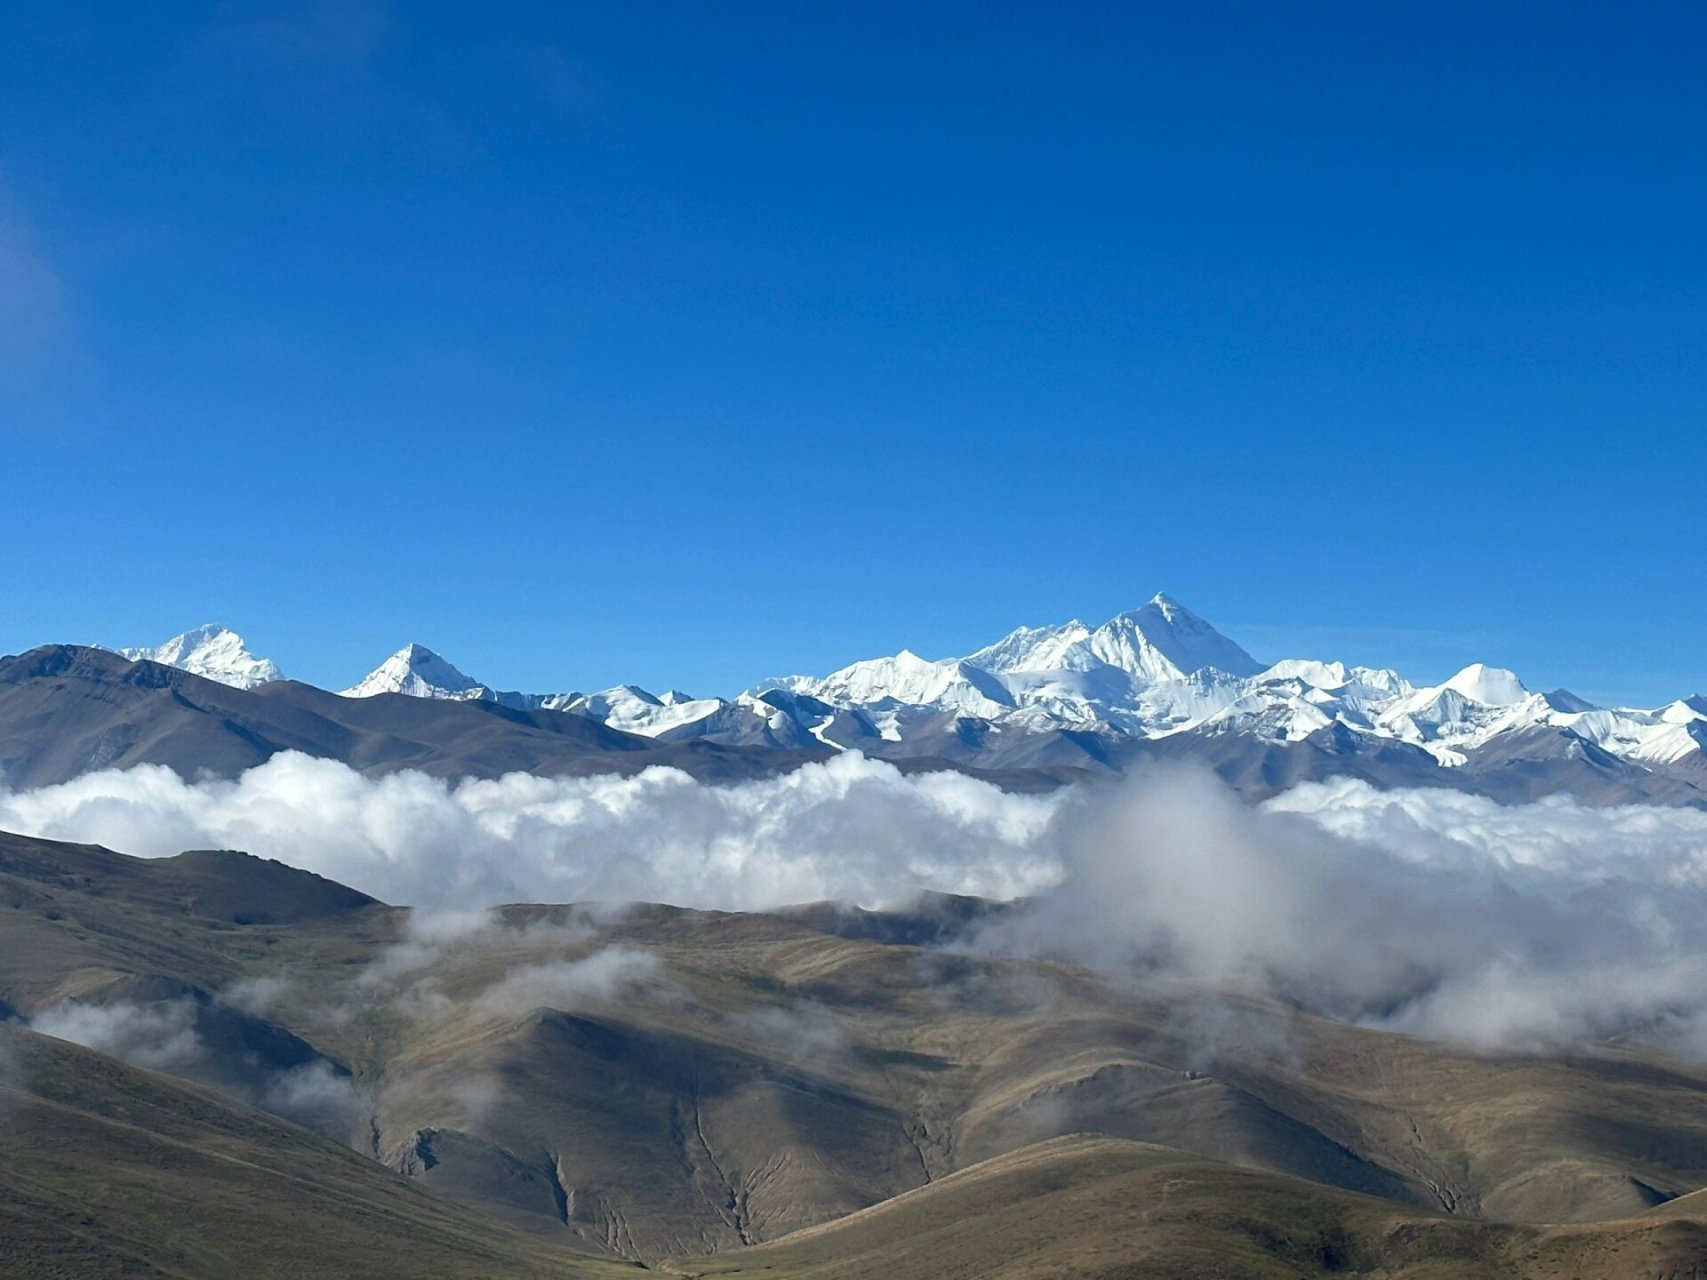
point(941, 1085)
point(677, 1088)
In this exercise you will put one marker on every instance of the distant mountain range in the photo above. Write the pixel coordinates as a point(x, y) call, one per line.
point(1157, 680)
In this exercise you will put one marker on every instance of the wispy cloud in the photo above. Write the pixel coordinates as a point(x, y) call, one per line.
point(32, 297)
point(553, 75)
point(303, 35)
point(169, 1036)
point(593, 980)
point(1428, 911)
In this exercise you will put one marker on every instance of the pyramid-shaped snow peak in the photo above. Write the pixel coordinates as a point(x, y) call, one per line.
point(417, 671)
point(1490, 686)
point(1164, 640)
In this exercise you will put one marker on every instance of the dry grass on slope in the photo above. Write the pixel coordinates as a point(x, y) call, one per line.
point(1097, 1208)
point(106, 1170)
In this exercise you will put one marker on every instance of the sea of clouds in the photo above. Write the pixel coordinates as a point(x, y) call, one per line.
point(1429, 911)
point(851, 829)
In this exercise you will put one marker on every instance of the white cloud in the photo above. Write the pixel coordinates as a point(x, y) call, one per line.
point(160, 1036)
point(1427, 911)
point(607, 975)
point(849, 828)
point(803, 1032)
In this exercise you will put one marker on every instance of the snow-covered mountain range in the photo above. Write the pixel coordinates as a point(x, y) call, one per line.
point(213, 652)
point(1046, 694)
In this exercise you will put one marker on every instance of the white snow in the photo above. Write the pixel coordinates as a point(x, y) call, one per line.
point(633, 710)
point(1491, 686)
point(1153, 671)
point(1161, 670)
point(909, 680)
point(419, 672)
point(213, 652)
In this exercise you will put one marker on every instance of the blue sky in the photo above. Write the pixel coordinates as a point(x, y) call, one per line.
point(687, 344)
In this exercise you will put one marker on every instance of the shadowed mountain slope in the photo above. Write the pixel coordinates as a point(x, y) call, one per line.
point(66, 710)
point(648, 1082)
point(76, 918)
point(107, 1171)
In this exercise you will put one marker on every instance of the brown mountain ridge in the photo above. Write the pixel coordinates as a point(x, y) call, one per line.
point(816, 1092)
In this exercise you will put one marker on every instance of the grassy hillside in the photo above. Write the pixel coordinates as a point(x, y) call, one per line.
point(106, 1170)
point(1105, 1209)
point(649, 1082)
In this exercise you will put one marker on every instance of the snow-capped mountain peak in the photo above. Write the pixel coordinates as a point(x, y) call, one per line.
point(419, 672)
point(1163, 640)
point(633, 710)
point(912, 681)
point(212, 652)
point(1152, 672)
point(1490, 686)
point(1318, 675)
point(1566, 701)
point(1685, 710)
point(1030, 648)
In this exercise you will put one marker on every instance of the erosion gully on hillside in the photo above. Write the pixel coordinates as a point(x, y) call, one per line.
point(818, 1091)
